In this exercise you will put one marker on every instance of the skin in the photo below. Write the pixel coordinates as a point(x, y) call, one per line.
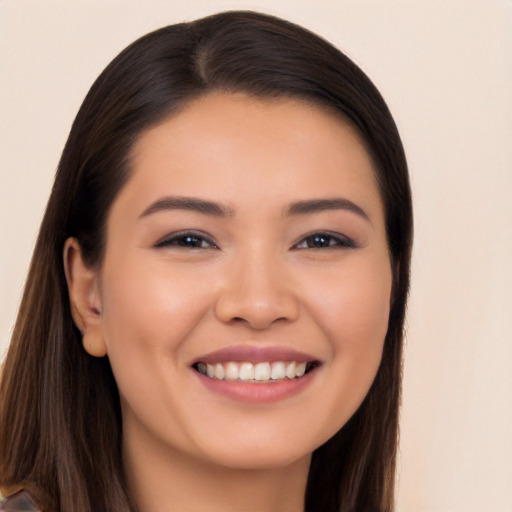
point(256, 279)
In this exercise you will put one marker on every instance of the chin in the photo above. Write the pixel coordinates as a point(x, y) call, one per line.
point(262, 461)
point(261, 455)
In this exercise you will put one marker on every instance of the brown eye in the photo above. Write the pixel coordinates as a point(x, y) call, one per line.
point(186, 240)
point(324, 241)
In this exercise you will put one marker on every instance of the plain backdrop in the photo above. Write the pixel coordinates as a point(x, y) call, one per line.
point(445, 69)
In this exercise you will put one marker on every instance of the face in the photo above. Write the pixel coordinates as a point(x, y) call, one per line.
point(245, 289)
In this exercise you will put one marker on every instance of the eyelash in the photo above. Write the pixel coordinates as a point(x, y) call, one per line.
point(193, 240)
point(334, 241)
point(186, 240)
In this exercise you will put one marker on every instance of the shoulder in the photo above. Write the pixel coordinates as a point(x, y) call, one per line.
point(20, 501)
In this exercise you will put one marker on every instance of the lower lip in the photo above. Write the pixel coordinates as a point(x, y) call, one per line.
point(257, 392)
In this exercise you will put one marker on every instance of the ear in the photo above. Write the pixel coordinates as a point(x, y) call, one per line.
point(85, 298)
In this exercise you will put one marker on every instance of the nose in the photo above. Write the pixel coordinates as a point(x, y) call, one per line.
point(257, 292)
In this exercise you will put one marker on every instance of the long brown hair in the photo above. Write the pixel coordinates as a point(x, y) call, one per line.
point(60, 419)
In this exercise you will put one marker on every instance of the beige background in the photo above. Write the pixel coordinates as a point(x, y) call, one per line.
point(445, 68)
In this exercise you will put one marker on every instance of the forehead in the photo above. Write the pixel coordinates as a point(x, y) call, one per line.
point(232, 146)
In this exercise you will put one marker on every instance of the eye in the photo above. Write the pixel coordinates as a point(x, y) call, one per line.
point(324, 240)
point(187, 240)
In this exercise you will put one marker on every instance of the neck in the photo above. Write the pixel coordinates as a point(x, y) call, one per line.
point(167, 480)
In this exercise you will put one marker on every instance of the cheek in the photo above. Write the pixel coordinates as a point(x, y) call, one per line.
point(148, 313)
point(148, 310)
point(353, 307)
point(353, 312)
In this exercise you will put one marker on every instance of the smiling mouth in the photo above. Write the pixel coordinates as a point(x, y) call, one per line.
point(261, 372)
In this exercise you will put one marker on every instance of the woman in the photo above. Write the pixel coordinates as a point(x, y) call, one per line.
point(214, 312)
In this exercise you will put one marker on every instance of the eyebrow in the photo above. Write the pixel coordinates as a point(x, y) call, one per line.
point(220, 210)
point(188, 203)
point(321, 205)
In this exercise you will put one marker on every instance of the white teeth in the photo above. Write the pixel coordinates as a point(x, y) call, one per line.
point(219, 371)
point(290, 370)
point(262, 371)
point(301, 369)
point(249, 372)
point(278, 371)
point(246, 371)
point(231, 371)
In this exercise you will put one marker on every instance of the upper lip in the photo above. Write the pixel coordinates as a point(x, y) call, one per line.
point(255, 355)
